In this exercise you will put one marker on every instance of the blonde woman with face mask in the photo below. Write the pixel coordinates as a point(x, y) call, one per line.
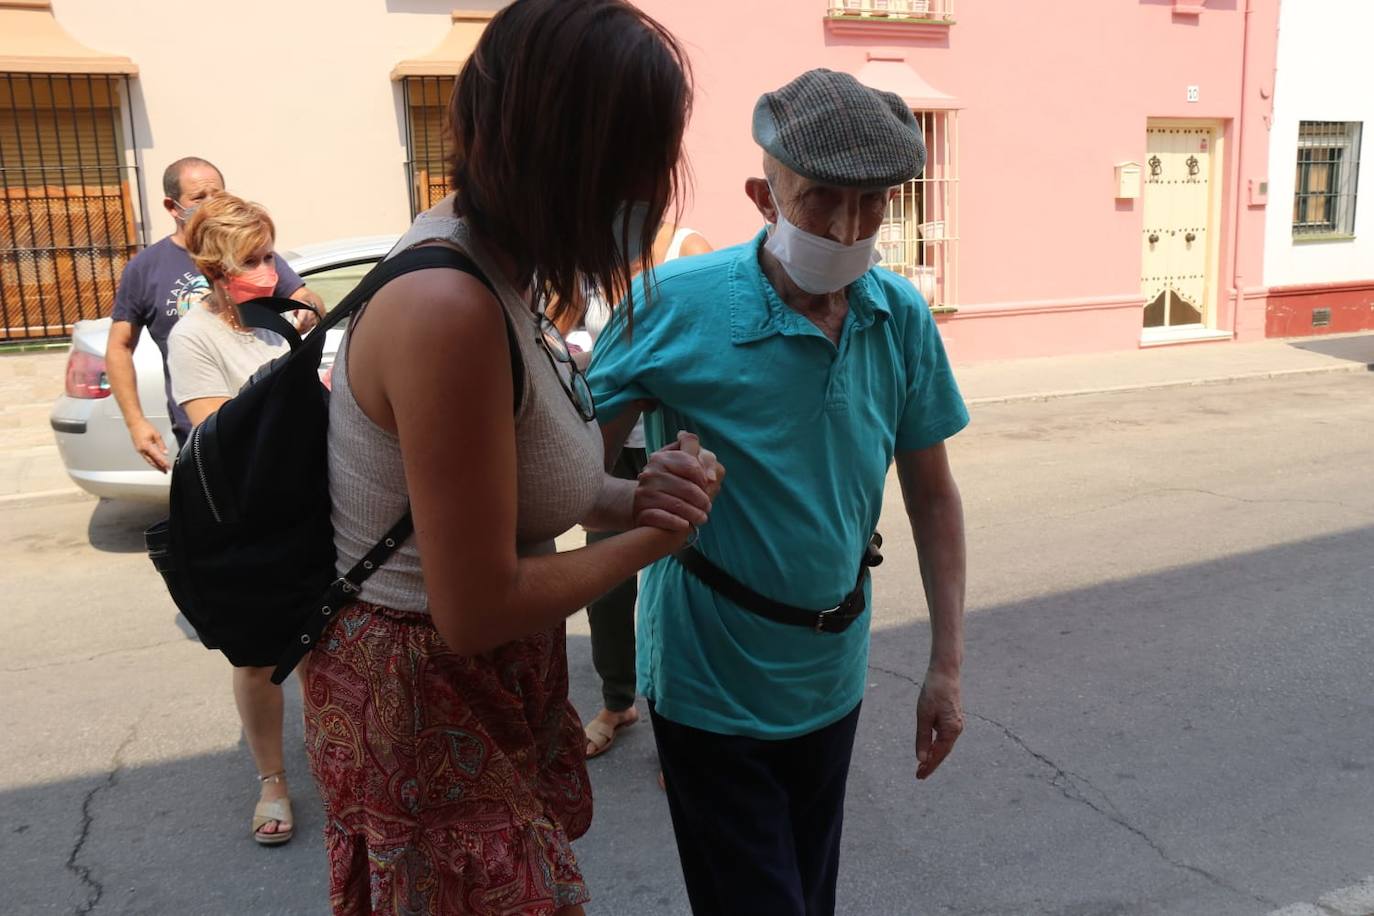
point(210, 355)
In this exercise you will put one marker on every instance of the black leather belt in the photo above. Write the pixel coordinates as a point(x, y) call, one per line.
point(832, 620)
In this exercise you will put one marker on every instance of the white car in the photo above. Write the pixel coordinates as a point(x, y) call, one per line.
point(91, 435)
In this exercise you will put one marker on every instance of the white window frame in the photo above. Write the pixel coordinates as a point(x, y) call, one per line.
point(1339, 143)
point(919, 239)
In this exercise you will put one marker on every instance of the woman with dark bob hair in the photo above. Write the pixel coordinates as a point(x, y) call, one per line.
point(437, 720)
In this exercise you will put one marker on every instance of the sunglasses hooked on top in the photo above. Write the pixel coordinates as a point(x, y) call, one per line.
point(575, 382)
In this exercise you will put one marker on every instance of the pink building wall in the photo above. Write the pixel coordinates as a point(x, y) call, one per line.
point(1052, 93)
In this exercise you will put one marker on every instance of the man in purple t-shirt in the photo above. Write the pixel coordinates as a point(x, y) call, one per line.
point(156, 288)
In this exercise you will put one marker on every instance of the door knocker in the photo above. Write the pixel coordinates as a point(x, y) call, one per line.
point(1192, 164)
point(1155, 166)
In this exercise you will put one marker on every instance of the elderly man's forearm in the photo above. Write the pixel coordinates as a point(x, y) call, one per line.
point(939, 531)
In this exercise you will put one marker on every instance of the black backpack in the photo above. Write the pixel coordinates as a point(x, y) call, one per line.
point(247, 551)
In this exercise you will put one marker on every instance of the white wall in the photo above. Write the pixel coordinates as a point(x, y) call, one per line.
point(292, 100)
point(1325, 73)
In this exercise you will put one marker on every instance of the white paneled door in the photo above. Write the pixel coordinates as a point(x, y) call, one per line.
point(1177, 239)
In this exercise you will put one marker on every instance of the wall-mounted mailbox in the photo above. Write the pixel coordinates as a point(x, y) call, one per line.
point(1127, 180)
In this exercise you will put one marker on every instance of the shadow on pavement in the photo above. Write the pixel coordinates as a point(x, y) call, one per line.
point(117, 526)
point(171, 837)
point(1356, 349)
point(1196, 740)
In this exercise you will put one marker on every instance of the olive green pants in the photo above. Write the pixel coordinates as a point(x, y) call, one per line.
point(612, 616)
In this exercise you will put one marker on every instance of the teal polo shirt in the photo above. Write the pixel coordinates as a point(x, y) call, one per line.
point(807, 431)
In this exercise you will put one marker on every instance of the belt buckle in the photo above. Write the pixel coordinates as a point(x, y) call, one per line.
point(345, 586)
point(845, 608)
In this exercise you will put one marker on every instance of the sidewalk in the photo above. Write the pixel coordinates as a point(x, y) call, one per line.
point(29, 464)
point(1162, 367)
point(29, 383)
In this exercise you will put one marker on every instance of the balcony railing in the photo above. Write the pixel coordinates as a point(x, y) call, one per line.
point(919, 10)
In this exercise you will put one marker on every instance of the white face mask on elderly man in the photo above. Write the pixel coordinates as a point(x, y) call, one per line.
point(818, 265)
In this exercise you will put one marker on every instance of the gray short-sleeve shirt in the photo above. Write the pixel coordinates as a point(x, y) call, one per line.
point(209, 359)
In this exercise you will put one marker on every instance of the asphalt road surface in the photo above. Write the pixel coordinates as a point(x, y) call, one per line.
point(1170, 684)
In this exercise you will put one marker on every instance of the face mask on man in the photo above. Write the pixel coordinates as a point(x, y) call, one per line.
point(185, 213)
point(253, 284)
point(818, 265)
point(635, 240)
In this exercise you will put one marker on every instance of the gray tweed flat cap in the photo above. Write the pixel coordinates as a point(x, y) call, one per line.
point(830, 128)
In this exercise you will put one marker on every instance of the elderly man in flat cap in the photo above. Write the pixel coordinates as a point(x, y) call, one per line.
point(809, 371)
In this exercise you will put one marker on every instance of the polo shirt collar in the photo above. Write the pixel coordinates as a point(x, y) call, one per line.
point(757, 311)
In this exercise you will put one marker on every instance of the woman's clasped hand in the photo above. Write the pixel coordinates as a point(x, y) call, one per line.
point(677, 487)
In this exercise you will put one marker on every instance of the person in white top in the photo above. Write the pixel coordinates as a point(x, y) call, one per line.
point(210, 355)
point(612, 617)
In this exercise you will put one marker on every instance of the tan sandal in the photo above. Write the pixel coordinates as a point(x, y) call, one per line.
point(276, 810)
point(601, 736)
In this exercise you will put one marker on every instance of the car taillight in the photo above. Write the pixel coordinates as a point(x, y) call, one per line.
point(86, 376)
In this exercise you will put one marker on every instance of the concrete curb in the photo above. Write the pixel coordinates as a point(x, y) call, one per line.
point(1349, 368)
point(44, 497)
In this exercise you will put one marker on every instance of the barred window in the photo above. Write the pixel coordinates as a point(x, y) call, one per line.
point(429, 140)
point(1328, 169)
point(919, 239)
point(69, 180)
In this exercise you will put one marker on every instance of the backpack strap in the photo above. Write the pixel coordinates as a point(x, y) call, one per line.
point(343, 590)
point(265, 313)
point(412, 259)
point(348, 586)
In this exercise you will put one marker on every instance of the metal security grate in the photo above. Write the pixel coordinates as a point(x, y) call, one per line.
point(899, 9)
point(429, 139)
point(67, 191)
point(919, 239)
point(1328, 172)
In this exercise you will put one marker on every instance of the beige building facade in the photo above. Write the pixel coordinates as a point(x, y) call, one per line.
point(325, 112)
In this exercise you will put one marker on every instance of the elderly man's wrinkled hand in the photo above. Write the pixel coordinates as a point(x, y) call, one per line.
point(677, 486)
point(939, 721)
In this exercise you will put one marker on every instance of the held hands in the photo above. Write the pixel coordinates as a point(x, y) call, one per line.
point(149, 445)
point(677, 486)
point(939, 721)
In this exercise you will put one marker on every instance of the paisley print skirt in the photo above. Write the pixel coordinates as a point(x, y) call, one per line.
point(452, 784)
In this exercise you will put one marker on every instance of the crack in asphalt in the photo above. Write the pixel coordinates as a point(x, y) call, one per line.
point(1076, 787)
point(1265, 501)
point(1156, 491)
point(83, 872)
point(91, 658)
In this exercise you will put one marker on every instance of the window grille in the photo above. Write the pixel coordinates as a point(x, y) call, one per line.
point(429, 139)
point(67, 190)
point(919, 238)
point(899, 9)
point(1328, 170)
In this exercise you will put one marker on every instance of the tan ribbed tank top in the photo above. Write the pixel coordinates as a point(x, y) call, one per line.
point(559, 456)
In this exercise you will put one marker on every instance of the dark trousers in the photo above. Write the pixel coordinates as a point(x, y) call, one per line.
point(757, 822)
point(612, 616)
